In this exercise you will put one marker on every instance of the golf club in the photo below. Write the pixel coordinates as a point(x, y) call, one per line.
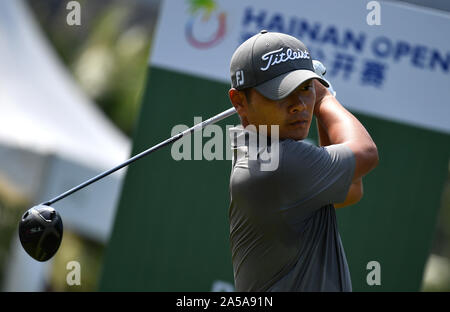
point(41, 227)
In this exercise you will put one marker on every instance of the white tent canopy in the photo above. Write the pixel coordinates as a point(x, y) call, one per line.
point(40, 106)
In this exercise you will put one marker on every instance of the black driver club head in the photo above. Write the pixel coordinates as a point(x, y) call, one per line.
point(40, 232)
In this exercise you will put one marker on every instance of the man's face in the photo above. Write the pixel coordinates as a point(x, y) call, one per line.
point(293, 114)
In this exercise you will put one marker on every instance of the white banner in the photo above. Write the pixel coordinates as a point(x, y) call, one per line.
point(398, 70)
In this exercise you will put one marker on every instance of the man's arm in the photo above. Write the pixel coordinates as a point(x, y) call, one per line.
point(324, 140)
point(355, 192)
point(354, 195)
point(342, 127)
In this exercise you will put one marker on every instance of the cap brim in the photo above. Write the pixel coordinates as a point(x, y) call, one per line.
point(281, 86)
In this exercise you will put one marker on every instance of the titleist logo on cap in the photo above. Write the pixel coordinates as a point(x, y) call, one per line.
point(274, 57)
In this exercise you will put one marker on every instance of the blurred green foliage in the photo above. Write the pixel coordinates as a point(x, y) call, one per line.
point(87, 253)
point(438, 277)
point(11, 210)
point(107, 54)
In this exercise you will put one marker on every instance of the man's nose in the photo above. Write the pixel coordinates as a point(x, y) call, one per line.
point(298, 104)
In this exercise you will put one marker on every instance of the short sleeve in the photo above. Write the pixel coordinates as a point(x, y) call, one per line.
point(312, 177)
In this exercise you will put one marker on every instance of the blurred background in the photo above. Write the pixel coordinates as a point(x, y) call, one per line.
point(103, 62)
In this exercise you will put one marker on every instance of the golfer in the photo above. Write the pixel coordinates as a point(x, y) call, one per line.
point(283, 229)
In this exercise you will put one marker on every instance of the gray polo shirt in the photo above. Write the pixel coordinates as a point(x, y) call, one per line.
point(283, 230)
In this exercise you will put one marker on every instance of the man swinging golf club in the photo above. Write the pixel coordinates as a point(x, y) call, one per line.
point(283, 229)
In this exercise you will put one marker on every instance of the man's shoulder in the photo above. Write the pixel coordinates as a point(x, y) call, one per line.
point(307, 151)
point(299, 153)
point(293, 145)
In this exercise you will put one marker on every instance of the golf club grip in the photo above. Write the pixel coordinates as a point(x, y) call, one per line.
point(176, 137)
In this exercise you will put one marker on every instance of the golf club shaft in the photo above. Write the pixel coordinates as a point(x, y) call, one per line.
point(196, 127)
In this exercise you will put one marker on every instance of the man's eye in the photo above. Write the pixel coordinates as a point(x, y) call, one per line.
point(307, 88)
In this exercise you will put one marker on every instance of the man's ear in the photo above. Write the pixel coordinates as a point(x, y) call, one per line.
point(239, 101)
